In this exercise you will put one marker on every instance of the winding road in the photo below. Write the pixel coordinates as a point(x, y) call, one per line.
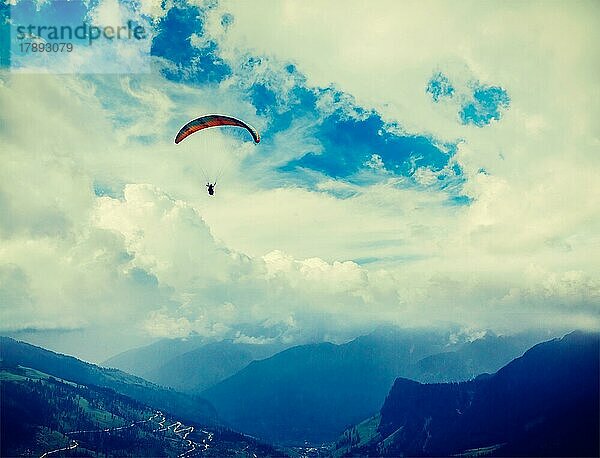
point(178, 428)
point(73, 445)
point(183, 432)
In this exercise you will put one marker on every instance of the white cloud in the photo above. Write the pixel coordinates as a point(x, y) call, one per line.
point(535, 204)
point(375, 162)
point(165, 259)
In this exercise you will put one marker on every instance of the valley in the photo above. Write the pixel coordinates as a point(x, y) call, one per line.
point(369, 397)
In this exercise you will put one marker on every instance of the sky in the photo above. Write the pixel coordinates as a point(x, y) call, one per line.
point(426, 164)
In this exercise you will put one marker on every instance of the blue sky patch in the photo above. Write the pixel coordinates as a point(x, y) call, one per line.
point(279, 106)
point(350, 143)
point(439, 86)
point(196, 65)
point(106, 190)
point(338, 139)
point(486, 106)
point(342, 137)
point(263, 98)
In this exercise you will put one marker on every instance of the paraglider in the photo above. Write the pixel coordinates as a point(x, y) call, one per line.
point(211, 188)
point(214, 120)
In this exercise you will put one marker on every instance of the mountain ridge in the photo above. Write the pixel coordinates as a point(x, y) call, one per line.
point(542, 403)
point(312, 392)
point(44, 415)
point(70, 368)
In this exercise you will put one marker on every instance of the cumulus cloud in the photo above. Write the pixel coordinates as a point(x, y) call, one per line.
point(214, 288)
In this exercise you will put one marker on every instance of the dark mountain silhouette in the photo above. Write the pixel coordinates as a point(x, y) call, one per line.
point(311, 392)
point(41, 413)
point(544, 403)
point(194, 408)
point(207, 365)
point(37, 411)
point(484, 355)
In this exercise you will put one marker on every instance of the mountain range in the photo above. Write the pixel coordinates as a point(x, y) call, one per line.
point(144, 360)
point(307, 394)
point(190, 365)
point(44, 415)
point(312, 392)
point(545, 403)
point(13, 352)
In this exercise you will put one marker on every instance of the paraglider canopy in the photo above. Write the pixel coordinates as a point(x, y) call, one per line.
point(214, 120)
point(217, 159)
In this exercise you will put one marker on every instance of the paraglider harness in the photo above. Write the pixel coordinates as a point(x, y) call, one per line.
point(211, 188)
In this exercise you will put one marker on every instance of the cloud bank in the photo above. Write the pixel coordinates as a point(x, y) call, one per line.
point(421, 166)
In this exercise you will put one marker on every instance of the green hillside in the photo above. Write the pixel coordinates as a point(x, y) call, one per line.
point(192, 408)
point(47, 416)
